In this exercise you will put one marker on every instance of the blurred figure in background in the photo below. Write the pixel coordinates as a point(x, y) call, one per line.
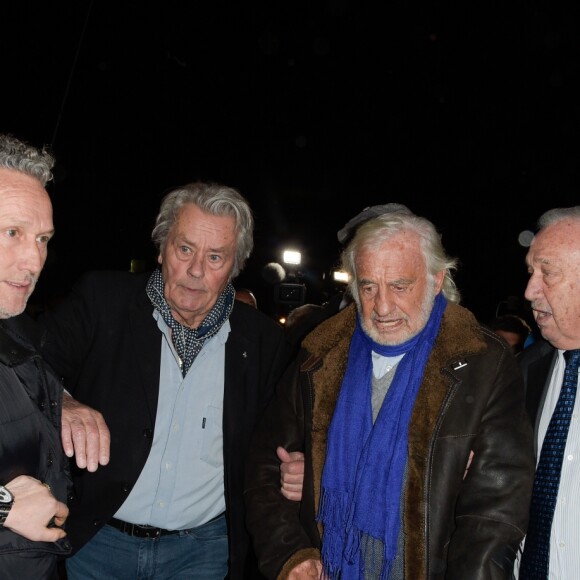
point(513, 329)
point(247, 296)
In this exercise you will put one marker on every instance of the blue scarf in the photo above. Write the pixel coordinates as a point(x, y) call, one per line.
point(363, 473)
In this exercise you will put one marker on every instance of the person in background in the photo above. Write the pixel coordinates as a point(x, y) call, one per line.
point(34, 476)
point(418, 459)
point(247, 296)
point(181, 372)
point(513, 329)
point(551, 546)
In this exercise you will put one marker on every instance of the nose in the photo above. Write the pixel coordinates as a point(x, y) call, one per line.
point(34, 257)
point(383, 303)
point(533, 287)
point(196, 265)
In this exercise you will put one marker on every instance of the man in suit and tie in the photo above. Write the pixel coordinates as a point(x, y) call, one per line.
point(550, 369)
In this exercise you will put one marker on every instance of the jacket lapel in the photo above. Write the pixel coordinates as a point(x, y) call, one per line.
point(147, 349)
point(538, 376)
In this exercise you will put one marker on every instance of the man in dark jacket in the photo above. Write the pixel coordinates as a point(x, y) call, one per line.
point(410, 415)
point(553, 290)
point(34, 477)
point(180, 372)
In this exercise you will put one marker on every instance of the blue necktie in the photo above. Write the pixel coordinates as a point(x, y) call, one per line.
point(536, 554)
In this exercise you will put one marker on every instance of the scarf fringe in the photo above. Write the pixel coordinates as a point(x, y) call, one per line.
point(336, 513)
point(360, 549)
point(334, 508)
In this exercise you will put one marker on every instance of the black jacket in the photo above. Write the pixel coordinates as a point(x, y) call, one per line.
point(106, 344)
point(30, 444)
point(537, 364)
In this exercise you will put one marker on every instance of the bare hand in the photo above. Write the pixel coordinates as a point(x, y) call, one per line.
point(34, 509)
point(306, 569)
point(84, 434)
point(291, 473)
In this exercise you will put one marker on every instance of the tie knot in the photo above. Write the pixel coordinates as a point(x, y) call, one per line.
point(572, 358)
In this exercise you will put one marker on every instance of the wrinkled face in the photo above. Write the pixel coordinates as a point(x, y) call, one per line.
point(197, 261)
point(25, 229)
point(554, 286)
point(396, 294)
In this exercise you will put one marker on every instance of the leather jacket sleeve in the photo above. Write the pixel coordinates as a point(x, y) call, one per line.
point(273, 521)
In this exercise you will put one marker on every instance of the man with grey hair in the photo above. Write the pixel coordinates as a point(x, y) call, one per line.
point(418, 458)
point(550, 369)
point(34, 478)
point(181, 372)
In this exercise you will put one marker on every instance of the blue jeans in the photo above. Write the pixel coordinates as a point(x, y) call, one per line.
point(199, 553)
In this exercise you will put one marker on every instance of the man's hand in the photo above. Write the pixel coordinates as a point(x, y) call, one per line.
point(34, 509)
point(84, 434)
point(307, 569)
point(291, 474)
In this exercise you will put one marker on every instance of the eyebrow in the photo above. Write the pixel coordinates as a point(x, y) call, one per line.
point(183, 239)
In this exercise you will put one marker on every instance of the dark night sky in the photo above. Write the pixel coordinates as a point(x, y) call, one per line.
point(314, 110)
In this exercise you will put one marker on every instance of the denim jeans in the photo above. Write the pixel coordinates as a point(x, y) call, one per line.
point(199, 553)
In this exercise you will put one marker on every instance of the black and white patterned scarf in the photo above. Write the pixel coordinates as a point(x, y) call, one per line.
point(188, 342)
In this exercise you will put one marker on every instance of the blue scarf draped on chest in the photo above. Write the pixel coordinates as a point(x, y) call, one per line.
point(363, 473)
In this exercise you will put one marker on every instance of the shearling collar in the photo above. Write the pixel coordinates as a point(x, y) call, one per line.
point(458, 337)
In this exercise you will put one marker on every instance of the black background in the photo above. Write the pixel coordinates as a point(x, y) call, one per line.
point(466, 112)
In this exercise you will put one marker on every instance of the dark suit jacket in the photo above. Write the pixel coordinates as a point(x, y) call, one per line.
point(537, 363)
point(105, 343)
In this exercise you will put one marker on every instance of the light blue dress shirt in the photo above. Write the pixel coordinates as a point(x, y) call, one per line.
point(182, 483)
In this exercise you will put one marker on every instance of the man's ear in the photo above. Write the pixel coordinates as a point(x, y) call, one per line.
point(439, 277)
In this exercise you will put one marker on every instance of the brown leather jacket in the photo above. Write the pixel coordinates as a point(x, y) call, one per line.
point(457, 525)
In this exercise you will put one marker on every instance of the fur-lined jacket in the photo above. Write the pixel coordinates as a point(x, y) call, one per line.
point(457, 524)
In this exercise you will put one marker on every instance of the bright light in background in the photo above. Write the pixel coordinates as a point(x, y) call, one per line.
point(525, 238)
point(292, 257)
point(340, 276)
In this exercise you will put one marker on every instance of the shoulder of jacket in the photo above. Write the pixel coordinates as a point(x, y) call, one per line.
point(331, 333)
point(247, 319)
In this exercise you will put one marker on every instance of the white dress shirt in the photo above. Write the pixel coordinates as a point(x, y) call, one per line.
point(565, 536)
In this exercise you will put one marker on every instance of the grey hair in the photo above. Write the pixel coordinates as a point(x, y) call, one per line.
point(19, 156)
point(558, 214)
point(379, 229)
point(215, 199)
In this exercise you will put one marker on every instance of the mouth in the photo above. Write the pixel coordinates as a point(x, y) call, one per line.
point(541, 316)
point(22, 286)
point(387, 325)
